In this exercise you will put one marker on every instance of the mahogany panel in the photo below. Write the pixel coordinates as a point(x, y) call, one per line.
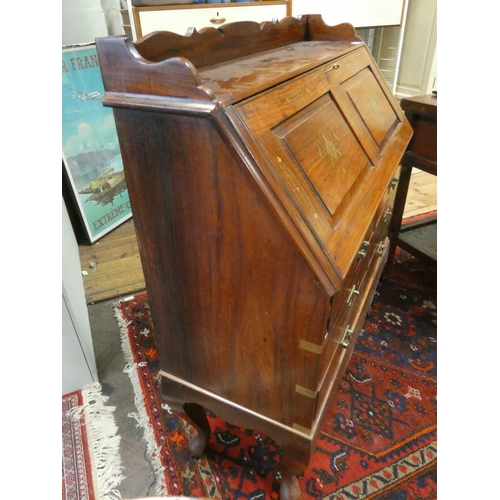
point(217, 242)
point(367, 97)
point(424, 140)
point(327, 153)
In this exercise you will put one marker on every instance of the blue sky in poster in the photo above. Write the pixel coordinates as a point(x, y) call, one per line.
point(88, 138)
point(87, 124)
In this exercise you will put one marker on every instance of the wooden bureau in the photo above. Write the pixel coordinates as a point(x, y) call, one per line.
point(262, 163)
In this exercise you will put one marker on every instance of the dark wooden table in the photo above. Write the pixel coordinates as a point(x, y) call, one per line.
point(419, 237)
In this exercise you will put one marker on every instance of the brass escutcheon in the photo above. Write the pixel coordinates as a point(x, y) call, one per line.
point(335, 66)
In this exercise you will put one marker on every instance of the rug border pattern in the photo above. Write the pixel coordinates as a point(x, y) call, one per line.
point(76, 464)
point(153, 451)
point(96, 442)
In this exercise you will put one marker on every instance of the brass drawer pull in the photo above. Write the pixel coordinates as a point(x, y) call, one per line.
point(218, 20)
point(352, 293)
point(363, 249)
point(335, 66)
point(394, 183)
point(347, 337)
point(380, 248)
point(387, 214)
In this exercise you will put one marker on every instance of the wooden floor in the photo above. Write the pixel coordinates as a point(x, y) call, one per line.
point(113, 265)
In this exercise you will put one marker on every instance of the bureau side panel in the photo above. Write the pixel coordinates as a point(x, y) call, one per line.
point(231, 296)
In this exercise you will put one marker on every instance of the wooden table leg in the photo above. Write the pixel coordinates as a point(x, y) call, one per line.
point(397, 214)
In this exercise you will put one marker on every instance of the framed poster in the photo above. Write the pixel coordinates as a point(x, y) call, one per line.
point(92, 165)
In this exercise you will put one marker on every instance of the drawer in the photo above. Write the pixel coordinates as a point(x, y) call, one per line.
point(346, 329)
point(180, 20)
point(347, 304)
point(347, 297)
point(378, 228)
point(334, 356)
point(354, 289)
point(385, 208)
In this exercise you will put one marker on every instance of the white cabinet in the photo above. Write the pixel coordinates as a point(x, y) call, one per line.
point(78, 360)
point(78, 370)
point(418, 72)
point(359, 13)
point(179, 18)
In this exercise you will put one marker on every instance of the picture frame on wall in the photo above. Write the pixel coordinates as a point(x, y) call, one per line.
point(94, 185)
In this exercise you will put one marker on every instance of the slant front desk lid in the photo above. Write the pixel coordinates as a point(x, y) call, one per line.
point(320, 183)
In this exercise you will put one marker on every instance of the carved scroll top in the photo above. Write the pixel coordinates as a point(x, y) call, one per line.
point(124, 70)
point(166, 64)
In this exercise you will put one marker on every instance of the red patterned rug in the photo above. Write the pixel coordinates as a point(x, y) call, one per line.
point(91, 464)
point(378, 441)
point(416, 218)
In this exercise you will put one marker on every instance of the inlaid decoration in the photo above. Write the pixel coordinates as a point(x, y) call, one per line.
point(327, 154)
point(330, 149)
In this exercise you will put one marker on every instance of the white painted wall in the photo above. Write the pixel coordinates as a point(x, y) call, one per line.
point(84, 20)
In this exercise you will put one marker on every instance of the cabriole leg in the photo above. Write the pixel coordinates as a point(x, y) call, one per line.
point(193, 413)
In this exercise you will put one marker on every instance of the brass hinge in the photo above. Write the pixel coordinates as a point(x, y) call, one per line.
point(302, 429)
point(306, 392)
point(309, 346)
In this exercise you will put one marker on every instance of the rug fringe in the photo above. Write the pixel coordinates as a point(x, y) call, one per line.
point(141, 416)
point(104, 441)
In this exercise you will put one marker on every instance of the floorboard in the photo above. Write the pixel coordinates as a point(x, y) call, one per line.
point(112, 266)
